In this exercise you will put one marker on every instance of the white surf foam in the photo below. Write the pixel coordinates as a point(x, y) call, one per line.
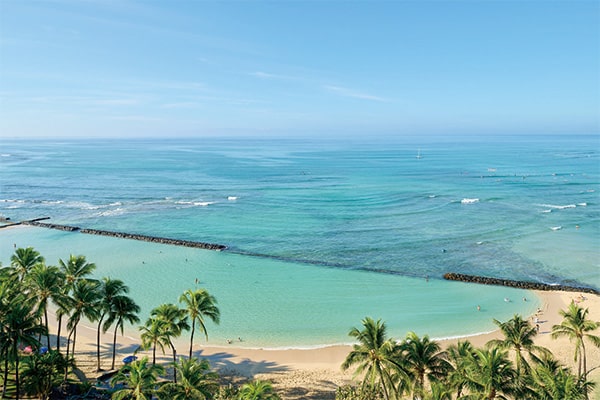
point(558, 207)
point(469, 201)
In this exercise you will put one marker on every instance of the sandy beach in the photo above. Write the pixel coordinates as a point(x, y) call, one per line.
point(315, 373)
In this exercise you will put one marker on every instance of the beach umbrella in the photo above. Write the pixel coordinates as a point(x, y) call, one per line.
point(129, 359)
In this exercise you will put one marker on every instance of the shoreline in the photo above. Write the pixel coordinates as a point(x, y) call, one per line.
point(315, 372)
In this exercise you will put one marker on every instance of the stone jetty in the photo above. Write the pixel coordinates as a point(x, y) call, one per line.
point(36, 222)
point(122, 235)
point(517, 284)
point(155, 239)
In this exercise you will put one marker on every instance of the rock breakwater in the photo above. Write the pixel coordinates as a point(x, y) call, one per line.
point(155, 239)
point(451, 276)
point(123, 235)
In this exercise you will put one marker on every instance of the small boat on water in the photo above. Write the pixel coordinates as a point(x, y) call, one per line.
point(419, 154)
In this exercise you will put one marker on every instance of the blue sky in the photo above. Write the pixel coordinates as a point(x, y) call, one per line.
point(295, 68)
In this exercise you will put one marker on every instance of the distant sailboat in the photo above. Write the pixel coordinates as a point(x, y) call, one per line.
point(419, 154)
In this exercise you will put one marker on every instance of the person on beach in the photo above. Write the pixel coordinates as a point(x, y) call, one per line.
point(478, 307)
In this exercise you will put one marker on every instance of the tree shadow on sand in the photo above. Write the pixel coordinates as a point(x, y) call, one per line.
point(224, 363)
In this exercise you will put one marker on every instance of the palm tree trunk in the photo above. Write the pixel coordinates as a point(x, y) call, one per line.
point(385, 393)
point(114, 345)
point(174, 363)
point(5, 380)
point(98, 341)
point(192, 336)
point(17, 386)
point(47, 329)
point(154, 354)
point(74, 337)
point(67, 357)
point(582, 355)
point(58, 334)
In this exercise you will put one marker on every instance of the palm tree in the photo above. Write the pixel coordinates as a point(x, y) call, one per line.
point(109, 290)
point(9, 294)
point(199, 304)
point(518, 336)
point(439, 391)
point(195, 381)
point(123, 309)
point(175, 322)
point(24, 259)
point(76, 268)
point(489, 374)
point(86, 299)
point(575, 326)
point(140, 379)
point(42, 373)
point(45, 284)
point(257, 390)
point(549, 380)
point(153, 335)
point(422, 358)
point(375, 355)
point(20, 326)
point(458, 355)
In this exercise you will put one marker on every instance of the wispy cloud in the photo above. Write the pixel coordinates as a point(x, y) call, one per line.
point(135, 118)
point(346, 92)
point(266, 75)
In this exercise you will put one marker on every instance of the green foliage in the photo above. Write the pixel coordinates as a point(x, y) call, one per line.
point(257, 390)
point(42, 372)
point(140, 379)
point(199, 305)
point(348, 392)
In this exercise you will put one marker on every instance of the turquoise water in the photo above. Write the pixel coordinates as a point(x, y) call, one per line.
point(320, 233)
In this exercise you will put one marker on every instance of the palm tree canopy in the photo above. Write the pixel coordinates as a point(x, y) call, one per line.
point(375, 356)
point(140, 379)
point(122, 309)
point(23, 260)
point(76, 268)
point(45, 283)
point(489, 373)
point(257, 390)
point(86, 300)
point(575, 325)
point(195, 381)
point(422, 358)
point(200, 304)
point(519, 335)
point(175, 318)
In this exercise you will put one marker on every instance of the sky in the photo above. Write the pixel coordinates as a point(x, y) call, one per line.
point(184, 68)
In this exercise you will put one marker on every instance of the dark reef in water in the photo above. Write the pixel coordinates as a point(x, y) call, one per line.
point(451, 276)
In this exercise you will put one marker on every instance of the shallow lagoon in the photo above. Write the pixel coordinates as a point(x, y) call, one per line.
point(273, 303)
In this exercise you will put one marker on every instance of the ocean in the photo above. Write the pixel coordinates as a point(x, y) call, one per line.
point(320, 232)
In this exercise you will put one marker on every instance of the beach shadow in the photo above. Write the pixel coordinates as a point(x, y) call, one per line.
point(224, 362)
point(321, 390)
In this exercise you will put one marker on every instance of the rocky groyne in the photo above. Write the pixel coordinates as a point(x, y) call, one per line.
point(122, 235)
point(517, 284)
point(155, 239)
point(36, 222)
